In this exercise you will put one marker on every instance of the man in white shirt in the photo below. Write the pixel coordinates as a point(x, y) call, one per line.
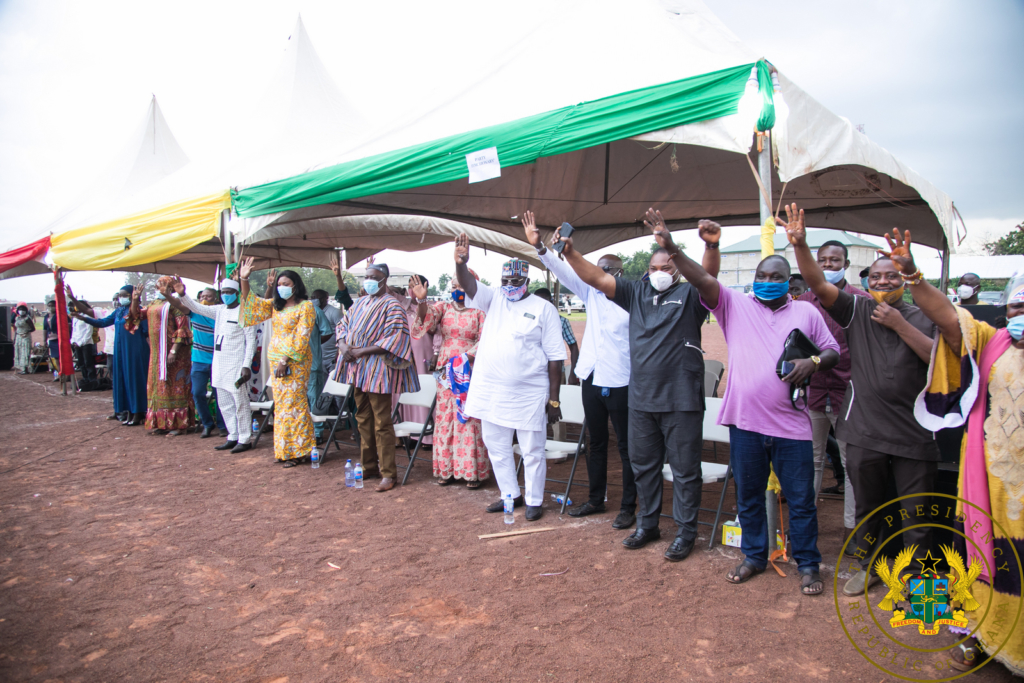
point(516, 376)
point(84, 346)
point(603, 368)
point(233, 349)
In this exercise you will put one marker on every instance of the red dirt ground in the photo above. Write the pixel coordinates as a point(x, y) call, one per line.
point(131, 557)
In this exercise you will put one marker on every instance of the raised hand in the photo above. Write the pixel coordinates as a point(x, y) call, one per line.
point(656, 224)
point(71, 295)
point(709, 231)
point(245, 269)
point(179, 286)
point(796, 232)
point(271, 280)
point(136, 295)
point(335, 266)
point(416, 287)
point(165, 290)
point(566, 241)
point(532, 233)
point(462, 249)
point(899, 251)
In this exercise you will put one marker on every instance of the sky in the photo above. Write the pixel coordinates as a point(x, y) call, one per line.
point(936, 82)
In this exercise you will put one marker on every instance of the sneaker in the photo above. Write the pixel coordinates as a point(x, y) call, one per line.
point(855, 586)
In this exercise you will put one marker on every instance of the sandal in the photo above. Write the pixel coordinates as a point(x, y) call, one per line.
point(807, 580)
point(157, 432)
point(966, 656)
point(474, 484)
point(743, 572)
point(441, 481)
point(294, 462)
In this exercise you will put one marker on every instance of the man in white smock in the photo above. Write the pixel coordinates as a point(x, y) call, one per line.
point(516, 376)
point(233, 350)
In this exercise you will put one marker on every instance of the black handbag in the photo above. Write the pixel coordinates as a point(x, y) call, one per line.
point(796, 347)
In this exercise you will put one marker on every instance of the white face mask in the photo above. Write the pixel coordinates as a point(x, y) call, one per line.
point(834, 276)
point(965, 291)
point(661, 280)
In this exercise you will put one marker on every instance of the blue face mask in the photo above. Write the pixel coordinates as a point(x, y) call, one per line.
point(229, 298)
point(125, 300)
point(160, 296)
point(284, 292)
point(834, 276)
point(371, 287)
point(864, 283)
point(1015, 326)
point(769, 291)
point(458, 296)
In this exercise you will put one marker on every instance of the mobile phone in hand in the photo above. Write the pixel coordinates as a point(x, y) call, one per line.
point(565, 231)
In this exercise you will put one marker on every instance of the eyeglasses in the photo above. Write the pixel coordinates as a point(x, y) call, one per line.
point(611, 269)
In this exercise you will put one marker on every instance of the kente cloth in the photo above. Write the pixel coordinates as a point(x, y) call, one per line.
point(460, 371)
point(169, 399)
point(515, 268)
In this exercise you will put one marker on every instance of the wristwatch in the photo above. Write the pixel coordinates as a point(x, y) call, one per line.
point(817, 362)
point(554, 404)
point(711, 245)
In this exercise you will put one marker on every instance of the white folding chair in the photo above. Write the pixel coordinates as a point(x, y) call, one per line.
point(571, 399)
point(711, 472)
point(265, 407)
point(426, 397)
point(344, 393)
point(710, 384)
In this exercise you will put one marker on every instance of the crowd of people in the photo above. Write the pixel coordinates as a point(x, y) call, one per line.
point(885, 374)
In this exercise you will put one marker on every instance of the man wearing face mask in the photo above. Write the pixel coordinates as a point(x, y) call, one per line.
point(233, 349)
point(375, 347)
point(890, 345)
point(967, 289)
point(324, 346)
point(666, 382)
point(516, 376)
point(827, 389)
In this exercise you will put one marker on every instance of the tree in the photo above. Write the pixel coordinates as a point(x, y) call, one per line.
point(1013, 243)
point(144, 281)
point(443, 281)
point(635, 267)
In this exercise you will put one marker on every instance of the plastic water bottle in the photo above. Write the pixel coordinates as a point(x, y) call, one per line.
point(255, 425)
point(510, 517)
point(350, 474)
point(314, 455)
point(358, 477)
point(558, 498)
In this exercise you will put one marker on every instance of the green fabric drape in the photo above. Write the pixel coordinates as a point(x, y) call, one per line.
point(522, 141)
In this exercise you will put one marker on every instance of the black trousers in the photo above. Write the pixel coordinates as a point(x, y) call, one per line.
point(598, 409)
point(868, 471)
point(677, 438)
point(87, 361)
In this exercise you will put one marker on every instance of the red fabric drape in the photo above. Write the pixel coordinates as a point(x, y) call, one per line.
point(30, 252)
point(67, 365)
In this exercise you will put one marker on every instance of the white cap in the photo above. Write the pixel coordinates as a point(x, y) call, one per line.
point(229, 284)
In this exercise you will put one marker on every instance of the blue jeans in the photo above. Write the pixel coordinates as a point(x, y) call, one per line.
point(200, 382)
point(751, 454)
point(315, 387)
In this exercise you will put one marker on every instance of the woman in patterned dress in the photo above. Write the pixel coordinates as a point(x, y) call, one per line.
point(972, 358)
point(459, 451)
point(170, 408)
point(24, 326)
point(293, 317)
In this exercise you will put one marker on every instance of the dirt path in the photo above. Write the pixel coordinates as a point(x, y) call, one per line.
point(130, 557)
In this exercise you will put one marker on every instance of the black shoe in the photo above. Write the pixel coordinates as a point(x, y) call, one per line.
point(241, 448)
point(226, 446)
point(499, 506)
point(207, 433)
point(587, 508)
point(624, 520)
point(222, 432)
point(641, 537)
point(679, 550)
point(534, 512)
point(838, 491)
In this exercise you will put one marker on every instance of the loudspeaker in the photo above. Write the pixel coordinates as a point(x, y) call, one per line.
point(5, 324)
point(6, 355)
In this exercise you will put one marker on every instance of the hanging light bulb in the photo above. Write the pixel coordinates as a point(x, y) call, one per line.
point(750, 104)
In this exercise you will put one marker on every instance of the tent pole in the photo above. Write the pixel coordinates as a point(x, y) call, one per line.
point(944, 274)
point(225, 237)
point(764, 168)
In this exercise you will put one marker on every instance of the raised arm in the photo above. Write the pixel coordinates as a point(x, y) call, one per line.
point(694, 273)
point(932, 302)
point(341, 296)
point(466, 278)
point(174, 302)
point(826, 292)
point(711, 233)
point(587, 272)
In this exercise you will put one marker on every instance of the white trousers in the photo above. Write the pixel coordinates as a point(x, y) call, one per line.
point(234, 408)
point(498, 440)
point(820, 423)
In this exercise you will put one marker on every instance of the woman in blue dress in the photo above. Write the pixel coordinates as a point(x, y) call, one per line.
point(131, 361)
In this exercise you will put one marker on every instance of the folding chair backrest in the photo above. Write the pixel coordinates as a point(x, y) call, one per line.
point(715, 366)
point(337, 388)
point(570, 398)
point(712, 430)
point(710, 383)
point(423, 398)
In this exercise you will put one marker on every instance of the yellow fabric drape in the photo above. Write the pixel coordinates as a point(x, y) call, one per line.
point(144, 237)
